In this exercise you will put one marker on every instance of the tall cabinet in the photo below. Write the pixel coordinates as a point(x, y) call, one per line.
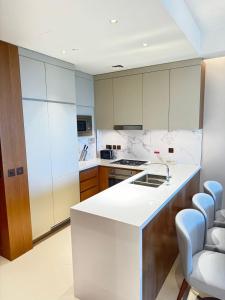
point(51, 141)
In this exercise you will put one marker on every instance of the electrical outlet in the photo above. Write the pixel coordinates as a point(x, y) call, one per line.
point(114, 147)
point(108, 147)
point(171, 150)
point(11, 172)
point(118, 147)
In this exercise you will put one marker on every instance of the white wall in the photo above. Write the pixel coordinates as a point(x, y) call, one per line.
point(213, 159)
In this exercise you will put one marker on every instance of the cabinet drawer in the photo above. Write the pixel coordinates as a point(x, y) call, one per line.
point(87, 174)
point(89, 193)
point(87, 184)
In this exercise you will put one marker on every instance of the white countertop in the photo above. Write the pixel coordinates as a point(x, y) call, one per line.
point(134, 204)
point(84, 165)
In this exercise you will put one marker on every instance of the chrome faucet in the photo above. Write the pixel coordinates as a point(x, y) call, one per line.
point(167, 170)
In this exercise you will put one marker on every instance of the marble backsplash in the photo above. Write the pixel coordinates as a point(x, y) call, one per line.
point(91, 143)
point(141, 144)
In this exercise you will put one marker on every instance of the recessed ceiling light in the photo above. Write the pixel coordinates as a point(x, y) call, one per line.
point(145, 44)
point(113, 21)
point(63, 51)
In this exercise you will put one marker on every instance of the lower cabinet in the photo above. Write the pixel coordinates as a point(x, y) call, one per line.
point(52, 159)
point(89, 183)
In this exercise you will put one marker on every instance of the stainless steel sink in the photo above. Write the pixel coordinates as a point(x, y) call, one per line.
point(150, 180)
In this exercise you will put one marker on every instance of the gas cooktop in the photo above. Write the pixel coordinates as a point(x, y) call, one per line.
point(129, 162)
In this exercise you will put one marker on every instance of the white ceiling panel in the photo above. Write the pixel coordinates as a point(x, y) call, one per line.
point(51, 26)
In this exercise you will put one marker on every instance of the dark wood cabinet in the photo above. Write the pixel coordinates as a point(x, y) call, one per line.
point(15, 222)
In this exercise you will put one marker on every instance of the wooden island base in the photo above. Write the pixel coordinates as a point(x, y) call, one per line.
point(160, 247)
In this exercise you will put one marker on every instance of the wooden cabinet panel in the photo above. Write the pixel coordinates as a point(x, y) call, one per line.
point(104, 103)
point(185, 98)
point(15, 222)
point(84, 91)
point(127, 93)
point(89, 193)
point(33, 81)
point(160, 234)
point(103, 178)
point(87, 184)
point(156, 100)
point(87, 174)
point(60, 84)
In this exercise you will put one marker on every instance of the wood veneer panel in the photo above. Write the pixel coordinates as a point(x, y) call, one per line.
point(87, 174)
point(103, 178)
point(160, 247)
point(88, 193)
point(89, 183)
point(15, 230)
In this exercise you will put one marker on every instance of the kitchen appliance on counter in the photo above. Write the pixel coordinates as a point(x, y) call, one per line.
point(84, 125)
point(107, 154)
point(130, 162)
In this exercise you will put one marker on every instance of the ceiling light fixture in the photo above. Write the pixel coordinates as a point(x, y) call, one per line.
point(113, 21)
point(63, 51)
point(145, 44)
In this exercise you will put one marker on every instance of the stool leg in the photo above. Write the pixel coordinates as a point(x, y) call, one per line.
point(183, 288)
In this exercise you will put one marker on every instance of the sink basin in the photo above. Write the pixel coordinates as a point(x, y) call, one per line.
point(150, 180)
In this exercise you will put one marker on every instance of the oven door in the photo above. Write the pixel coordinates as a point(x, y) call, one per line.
point(118, 175)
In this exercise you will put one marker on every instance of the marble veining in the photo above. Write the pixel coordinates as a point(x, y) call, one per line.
point(141, 144)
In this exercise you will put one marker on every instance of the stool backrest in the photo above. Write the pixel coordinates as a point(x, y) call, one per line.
point(214, 189)
point(206, 205)
point(190, 225)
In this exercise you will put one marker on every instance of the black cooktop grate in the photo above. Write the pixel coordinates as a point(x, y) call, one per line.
point(129, 162)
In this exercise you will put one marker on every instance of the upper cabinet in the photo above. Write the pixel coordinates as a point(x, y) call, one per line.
point(168, 97)
point(185, 98)
point(104, 104)
point(127, 94)
point(156, 100)
point(60, 84)
point(32, 78)
point(84, 91)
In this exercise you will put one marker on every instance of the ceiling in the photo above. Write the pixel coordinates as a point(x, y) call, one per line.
point(80, 32)
point(209, 14)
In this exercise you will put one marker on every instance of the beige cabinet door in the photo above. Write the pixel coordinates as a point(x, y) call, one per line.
point(127, 92)
point(185, 86)
point(104, 103)
point(156, 100)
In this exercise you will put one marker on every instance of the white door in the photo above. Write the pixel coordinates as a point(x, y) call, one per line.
point(39, 165)
point(64, 157)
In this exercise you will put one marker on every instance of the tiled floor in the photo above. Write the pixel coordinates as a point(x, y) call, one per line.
point(45, 273)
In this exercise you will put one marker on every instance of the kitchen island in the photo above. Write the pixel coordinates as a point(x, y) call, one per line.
point(124, 240)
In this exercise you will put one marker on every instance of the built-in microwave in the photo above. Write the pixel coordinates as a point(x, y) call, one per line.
point(84, 125)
